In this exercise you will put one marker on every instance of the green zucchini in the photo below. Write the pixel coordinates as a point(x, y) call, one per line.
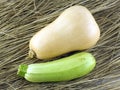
point(64, 69)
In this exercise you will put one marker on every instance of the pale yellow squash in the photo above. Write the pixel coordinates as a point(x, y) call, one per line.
point(75, 29)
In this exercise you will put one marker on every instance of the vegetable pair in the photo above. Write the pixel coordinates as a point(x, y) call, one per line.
point(74, 29)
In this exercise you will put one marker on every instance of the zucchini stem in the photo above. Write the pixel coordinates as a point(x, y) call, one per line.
point(22, 70)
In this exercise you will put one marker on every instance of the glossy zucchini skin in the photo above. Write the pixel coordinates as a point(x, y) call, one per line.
point(64, 69)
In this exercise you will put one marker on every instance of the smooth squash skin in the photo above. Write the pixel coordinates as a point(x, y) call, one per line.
point(75, 29)
point(64, 69)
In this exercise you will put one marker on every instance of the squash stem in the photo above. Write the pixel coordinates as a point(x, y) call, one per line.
point(22, 70)
point(31, 54)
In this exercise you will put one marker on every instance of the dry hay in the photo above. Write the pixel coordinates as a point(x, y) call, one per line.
point(21, 19)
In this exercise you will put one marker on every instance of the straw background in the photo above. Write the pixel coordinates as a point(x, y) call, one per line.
point(21, 19)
